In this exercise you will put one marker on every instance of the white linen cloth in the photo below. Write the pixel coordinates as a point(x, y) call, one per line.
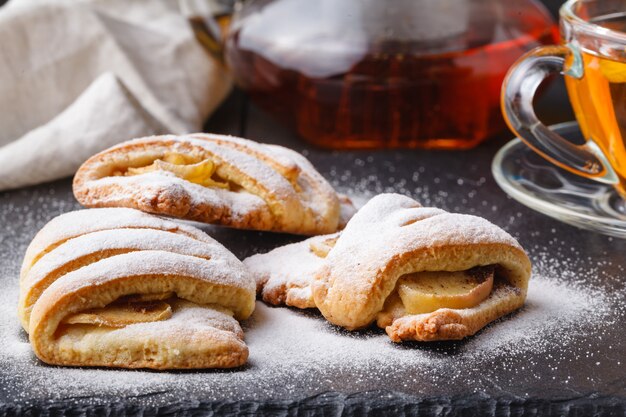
point(78, 76)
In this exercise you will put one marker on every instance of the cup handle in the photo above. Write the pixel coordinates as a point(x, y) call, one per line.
point(518, 90)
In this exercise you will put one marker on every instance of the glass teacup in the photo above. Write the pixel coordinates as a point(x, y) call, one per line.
point(593, 60)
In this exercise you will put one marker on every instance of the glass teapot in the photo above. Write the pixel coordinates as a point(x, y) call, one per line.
point(383, 74)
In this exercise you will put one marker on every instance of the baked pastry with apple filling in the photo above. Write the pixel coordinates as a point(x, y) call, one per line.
point(214, 179)
point(420, 273)
point(121, 288)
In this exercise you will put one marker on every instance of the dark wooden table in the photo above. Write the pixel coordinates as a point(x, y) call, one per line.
point(558, 379)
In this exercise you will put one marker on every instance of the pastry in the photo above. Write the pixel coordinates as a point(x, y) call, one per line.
point(284, 275)
point(214, 179)
point(121, 288)
point(420, 273)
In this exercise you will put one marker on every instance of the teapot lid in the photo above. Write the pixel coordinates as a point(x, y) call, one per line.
point(325, 38)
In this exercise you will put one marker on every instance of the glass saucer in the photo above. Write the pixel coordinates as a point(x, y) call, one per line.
point(544, 187)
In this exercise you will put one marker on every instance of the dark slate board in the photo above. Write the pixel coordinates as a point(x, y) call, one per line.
point(580, 386)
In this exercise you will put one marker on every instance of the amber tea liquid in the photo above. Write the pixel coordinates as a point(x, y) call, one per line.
point(599, 102)
point(390, 97)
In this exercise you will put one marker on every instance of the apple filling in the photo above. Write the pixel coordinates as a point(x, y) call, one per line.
point(428, 291)
point(132, 309)
point(197, 172)
point(322, 247)
point(425, 292)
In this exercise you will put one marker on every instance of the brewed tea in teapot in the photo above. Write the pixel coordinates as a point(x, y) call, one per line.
point(383, 74)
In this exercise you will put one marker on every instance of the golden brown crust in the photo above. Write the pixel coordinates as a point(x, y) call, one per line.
point(270, 187)
point(211, 290)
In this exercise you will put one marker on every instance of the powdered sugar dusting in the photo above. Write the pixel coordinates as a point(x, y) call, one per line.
point(124, 238)
point(568, 328)
point(218, 271)
point(76, 223)
point(289, 347)
point(397, 218)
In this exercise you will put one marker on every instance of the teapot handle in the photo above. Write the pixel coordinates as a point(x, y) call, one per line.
point(204, 17)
